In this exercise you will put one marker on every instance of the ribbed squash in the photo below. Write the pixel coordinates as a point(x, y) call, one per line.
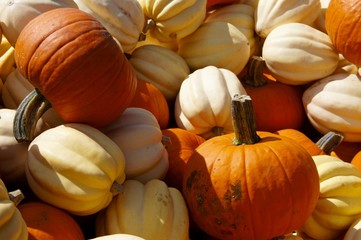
point(15, 15)
point(7, 58)
point(296, 54)
point(151, 211)
point(75, 167)
point(218, 44)
point(138, 134)
point(118, 236)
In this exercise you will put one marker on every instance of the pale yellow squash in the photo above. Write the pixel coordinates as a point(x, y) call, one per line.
point(118, 236)
point(7, 59)
point(296, 54)
point(152, 211)
point(138, 134)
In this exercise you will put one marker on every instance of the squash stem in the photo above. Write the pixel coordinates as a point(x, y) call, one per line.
point(329, 141)
point(16, 196)
point(116, 188)
point(254, 76)
point(243, 120)
point(31, 108)
point(149, 25)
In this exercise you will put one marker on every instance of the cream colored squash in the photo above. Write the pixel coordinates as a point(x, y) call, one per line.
point(7, 59)
point(138, 134)
point(354, 231)
point(241, 16)
point(15, 14)
point(160, 66)
point(219, 44)
point(338, 205)
point(118, 236)
point(333, 103)
point(152, 211)
point(12, 224)
point(124, 19)
point(169, 20)
point(203, 103)
point(344, 66)
point(319, 23)
point(273, 13)
point(75, 167)
point(296, 54)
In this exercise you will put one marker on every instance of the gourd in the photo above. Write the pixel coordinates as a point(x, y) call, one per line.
point(69, 46)
point(123, 19)
point(149, 210)
point(332, 103)
point(45, 221)
point(15, 15)
point(341, 20)
point(241, 16)
point(138, 134)
point(118, 236)
point(170, 21)
point(338, 204)
point(75, 167)
point(12, 225)
point(196, 108)
point(160, 66)
point(218, 44)
point(270, 14)
point(149, 97)
point(226, 195)
point(180, 144)
point(7, 60)
point(296, 54)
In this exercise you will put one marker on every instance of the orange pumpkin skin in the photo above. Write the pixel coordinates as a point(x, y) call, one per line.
point(356, 160)
point(180, 145)
point(250, 192)
point(46, 222)
point(342, 21)
point(77, 65)
point(149, 97)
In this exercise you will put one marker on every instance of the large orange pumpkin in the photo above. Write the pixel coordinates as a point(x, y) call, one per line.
point(342, 22)
point(76, 65)
point(250, 185)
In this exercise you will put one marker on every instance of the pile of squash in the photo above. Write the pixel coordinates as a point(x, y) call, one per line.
point(179, 120)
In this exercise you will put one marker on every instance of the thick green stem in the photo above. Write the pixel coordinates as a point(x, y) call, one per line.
point(329, 141)
point(255, 69)
point(244, 124)
point(31, 108)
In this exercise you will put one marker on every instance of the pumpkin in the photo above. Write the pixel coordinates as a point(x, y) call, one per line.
point(149, 97)
point(241, 16)
point(83, 178)
point(196, 108)
point(162, 67)
point(356, 160)
point(354, 231)
point(180, 144)
point(15, 15)
point(296, 54)
point(45, 221)
point(218, 44)
point(332, 103)
point(138, 134)
point(97, 81)
point(118, 236)
point(338, 204)
point(169, 20)
point(12, 225)
point(149, 210)
point(342, 31)
point(123, 19)
point(249, 184)
point(7, 59)
point(273, 13)
point(281, 103)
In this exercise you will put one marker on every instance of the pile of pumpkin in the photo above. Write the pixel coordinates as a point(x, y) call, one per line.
point(193, 119)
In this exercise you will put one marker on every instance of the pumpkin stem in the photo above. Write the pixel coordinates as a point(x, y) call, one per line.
point(149, 25)
point(116, 188)
point(16, 196)
point(243, 120)
point(329, 141)
point(254, 76)
point(31, 108)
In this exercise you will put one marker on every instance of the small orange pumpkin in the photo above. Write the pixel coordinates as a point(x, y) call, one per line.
point(76, 65)
point(45, 221)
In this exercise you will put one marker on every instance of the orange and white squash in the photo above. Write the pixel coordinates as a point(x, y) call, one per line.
point(138, 134)
point(296, 54)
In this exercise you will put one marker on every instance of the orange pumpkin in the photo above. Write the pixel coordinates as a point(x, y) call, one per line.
point(149, 97)
point(342, 21)
point(180, 145)
point(76, 65)
point(250, 184)
point(46, 222)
